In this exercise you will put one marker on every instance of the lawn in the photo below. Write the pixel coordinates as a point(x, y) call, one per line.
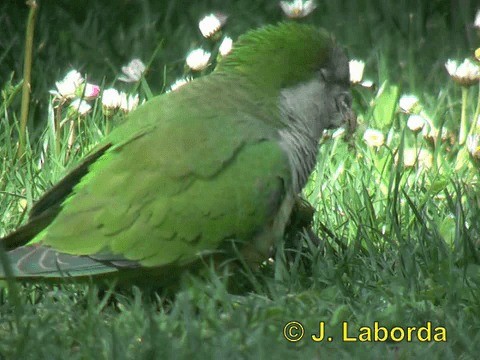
point(395, 270)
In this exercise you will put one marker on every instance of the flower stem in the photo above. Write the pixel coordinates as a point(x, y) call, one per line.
point(462, 136)
point(58, 116)
point(477, 114)
point(107, 126)
point(27, 70)
point(70, 141)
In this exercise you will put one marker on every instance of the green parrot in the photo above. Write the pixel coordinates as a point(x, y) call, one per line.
point(214, 165)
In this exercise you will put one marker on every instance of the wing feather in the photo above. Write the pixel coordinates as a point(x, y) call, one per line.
point(174, 181)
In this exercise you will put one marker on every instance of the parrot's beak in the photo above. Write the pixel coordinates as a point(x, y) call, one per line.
point(350, 119)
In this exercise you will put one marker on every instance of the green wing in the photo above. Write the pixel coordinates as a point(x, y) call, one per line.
point(48, 206)
point(185, 180)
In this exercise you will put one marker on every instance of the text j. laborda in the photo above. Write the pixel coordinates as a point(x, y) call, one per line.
point(294, 331)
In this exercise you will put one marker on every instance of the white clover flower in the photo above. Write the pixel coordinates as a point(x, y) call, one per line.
point(111, 98)
point(22, 204)
point(476, 22)
point(80, 106)
point(465, 74)
point(431, 134)
point(226, 46)
point(91, 91)
point(133, 71)
point(473, 145)
point(423, 158)
point(211, 24)
point(367, 83)
point(409, 104)
point(73, 76)
point(197, 59)
point(67, 88)
point(451, 66)
point(356, 68)
point(339, 132)
point(297, 8)
point(179, 83)
point(409, 157)
point(374, 138)
point(416, 122)
point(128, 102)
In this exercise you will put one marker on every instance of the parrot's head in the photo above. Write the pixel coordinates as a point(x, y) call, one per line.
point(302, 70)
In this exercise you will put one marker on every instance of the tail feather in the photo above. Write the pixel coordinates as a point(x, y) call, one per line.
point(27, 232)
point(49, 205)
point(37, 261)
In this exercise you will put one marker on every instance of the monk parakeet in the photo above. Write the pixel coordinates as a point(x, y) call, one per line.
point(220, 160)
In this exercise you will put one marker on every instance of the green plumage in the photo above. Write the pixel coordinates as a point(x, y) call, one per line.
point(283, 55)
point(184, 174)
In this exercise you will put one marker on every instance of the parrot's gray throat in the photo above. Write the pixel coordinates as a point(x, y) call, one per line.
point(306, 110)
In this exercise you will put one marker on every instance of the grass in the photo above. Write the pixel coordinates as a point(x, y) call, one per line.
point(398, 244)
